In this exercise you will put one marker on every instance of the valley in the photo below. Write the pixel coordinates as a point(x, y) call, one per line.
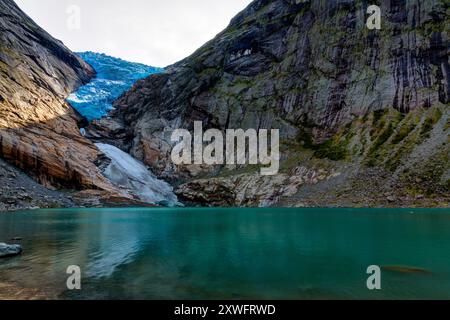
point(351, 105)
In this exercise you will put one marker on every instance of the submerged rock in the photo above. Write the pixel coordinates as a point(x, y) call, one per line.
point(9, 250)
point(406, 269)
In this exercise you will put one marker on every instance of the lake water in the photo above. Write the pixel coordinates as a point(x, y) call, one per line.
point(230, 253)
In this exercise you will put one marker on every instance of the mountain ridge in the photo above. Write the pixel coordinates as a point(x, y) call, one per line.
point(352, 105)
point(39, 132)
point(341, 95)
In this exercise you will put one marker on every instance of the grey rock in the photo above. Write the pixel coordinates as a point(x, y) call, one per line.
point(391, 199)
point(9, 250)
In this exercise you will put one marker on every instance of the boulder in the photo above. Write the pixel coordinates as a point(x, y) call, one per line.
point(9, 250)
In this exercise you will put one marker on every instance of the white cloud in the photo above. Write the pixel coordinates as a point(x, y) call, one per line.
point(155, 32)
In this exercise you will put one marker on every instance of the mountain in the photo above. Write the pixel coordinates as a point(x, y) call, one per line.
point(39, 131)
point(363, 114)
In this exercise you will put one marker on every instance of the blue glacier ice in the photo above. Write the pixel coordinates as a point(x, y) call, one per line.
point(114, 77)
point(94, 101)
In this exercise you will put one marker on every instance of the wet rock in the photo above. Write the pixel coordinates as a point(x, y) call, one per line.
point(406, 269)
point(9, 250)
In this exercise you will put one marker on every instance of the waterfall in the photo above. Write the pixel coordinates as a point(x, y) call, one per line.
point(129, 173)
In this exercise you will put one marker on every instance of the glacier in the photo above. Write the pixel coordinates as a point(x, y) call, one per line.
point(94, 101)
point(131, 174)
point(114, 77)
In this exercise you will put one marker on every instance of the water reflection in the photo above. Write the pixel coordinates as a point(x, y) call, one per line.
point(230, 253)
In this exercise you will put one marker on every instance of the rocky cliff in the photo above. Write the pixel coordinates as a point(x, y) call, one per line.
point(39, 131)
point(353, 105)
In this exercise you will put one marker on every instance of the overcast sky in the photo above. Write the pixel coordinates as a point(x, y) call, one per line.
point(155, 32)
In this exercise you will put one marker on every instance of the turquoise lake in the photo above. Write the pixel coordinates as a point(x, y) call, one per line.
point(230, 253)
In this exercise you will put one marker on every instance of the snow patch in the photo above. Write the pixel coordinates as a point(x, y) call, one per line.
point(129, 173)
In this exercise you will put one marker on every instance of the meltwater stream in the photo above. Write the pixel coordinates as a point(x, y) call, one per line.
point(94, 101)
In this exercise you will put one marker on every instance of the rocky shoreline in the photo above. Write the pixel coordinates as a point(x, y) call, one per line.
point(20, 192)
point(300, 188)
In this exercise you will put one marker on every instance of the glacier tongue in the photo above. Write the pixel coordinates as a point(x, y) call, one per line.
point(114, 77)
point(133, 175)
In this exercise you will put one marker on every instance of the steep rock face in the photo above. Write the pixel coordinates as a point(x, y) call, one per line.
point(313, 70)
point(250, 189)
point(38, 129)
